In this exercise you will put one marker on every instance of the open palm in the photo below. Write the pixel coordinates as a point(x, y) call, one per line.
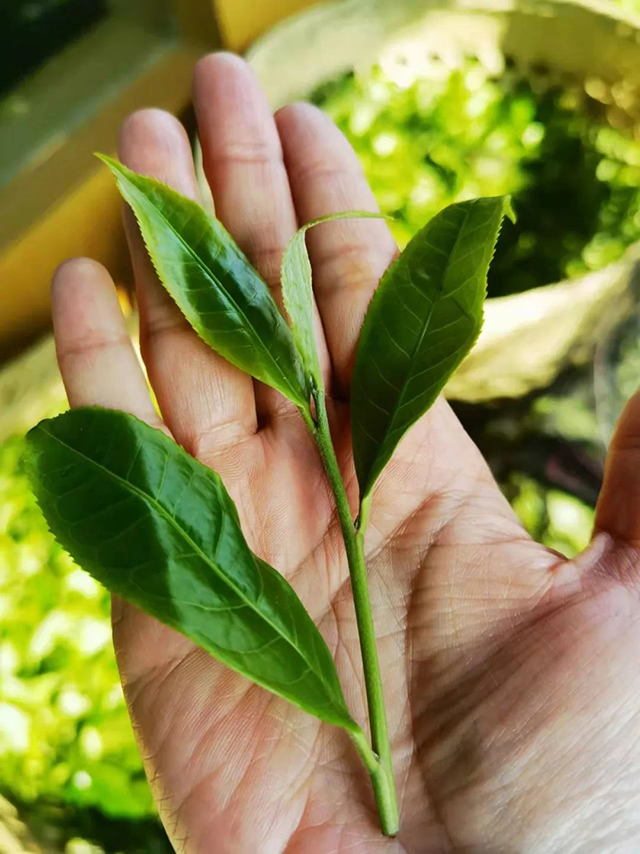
point(510, 674)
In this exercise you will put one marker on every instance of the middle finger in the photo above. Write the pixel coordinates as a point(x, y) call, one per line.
point(242, 159)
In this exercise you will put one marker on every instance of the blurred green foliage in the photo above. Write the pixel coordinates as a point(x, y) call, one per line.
point(433, 140)
point(65, 735)
point(63, 720)
point(559, 520)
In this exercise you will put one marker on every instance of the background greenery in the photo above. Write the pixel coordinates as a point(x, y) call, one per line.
point(68, 754)
point(428, 141)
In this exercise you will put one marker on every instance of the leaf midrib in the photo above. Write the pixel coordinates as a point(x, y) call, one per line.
point(209, 274)
point(390, 424)
point(143, 495)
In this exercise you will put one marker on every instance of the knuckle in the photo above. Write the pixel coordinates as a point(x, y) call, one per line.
point(320, 170)
point(159, 328)
point(345, 265)
point(245, 153)
point(89, 345)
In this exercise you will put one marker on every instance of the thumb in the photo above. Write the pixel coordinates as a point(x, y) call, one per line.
point(618, 510)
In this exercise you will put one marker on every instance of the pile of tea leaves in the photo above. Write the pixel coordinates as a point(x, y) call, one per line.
point(449, 135)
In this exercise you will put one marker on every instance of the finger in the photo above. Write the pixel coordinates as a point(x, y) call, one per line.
point(206, 402)
point(242, 158)
point(618, 510)
point(348, 256)
point(100, 368)
point(97, 361)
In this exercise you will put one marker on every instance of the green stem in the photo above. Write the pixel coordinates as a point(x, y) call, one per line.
point(379, 765)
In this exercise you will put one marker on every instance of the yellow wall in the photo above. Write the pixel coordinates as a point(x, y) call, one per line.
point(68, 205)
point(241, 21)
point(70, 228)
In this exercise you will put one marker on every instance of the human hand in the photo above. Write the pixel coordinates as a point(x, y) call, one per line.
point(510, 673)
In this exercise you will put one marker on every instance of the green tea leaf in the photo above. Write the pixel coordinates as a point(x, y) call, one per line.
point(159, 529)
point(216, 288)
point(424, 318)
point(297, 290)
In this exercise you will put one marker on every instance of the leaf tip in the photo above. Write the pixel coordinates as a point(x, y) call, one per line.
point(508, 209)
point(119, 171)
point(111, 162)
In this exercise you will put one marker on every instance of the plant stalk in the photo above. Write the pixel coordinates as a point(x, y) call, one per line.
point(379, 765)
